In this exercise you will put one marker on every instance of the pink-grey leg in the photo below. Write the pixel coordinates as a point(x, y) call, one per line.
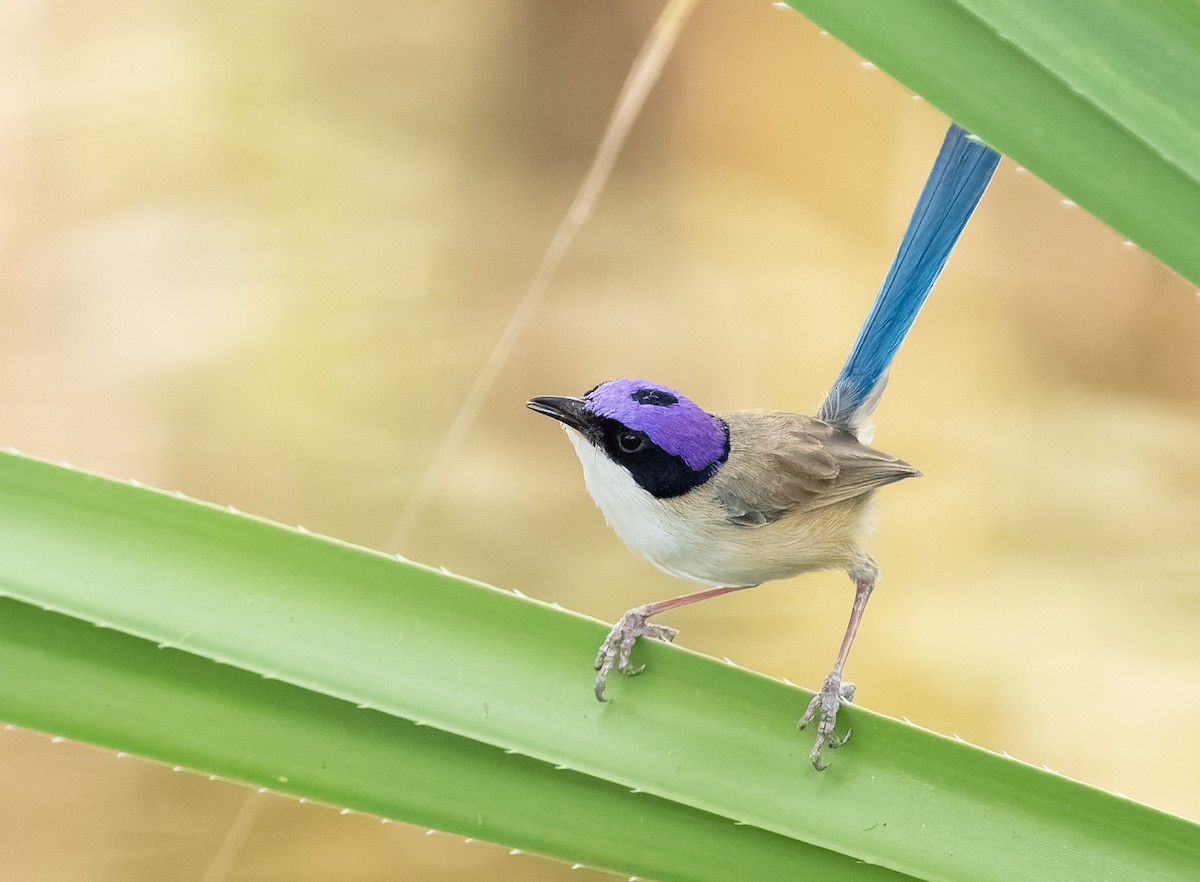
point(824, 705)
point(618, 645)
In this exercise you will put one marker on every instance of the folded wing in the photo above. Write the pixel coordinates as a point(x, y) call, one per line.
point(782, 464)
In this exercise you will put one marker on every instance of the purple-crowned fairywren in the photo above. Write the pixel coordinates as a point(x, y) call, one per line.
point(735, 499)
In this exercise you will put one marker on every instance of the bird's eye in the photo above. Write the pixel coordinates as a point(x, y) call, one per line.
point(629, 442)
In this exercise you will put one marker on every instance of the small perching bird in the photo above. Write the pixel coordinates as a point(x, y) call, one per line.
point(732, 500)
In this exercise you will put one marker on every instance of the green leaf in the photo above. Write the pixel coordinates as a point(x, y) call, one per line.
point(477, 696)
point(66, 676)
point(1100, 98)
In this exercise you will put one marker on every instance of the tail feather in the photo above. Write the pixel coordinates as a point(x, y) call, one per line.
point(960, 174)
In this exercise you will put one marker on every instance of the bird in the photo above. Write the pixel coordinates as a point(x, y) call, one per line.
point(734, 499)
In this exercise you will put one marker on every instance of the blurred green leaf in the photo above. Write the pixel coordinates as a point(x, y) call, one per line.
point(396, 689)
point(1100, 98)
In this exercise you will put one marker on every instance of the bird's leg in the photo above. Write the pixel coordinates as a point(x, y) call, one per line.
point(834, 691)
point(618, 644)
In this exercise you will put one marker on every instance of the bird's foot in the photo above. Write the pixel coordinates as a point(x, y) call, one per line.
point(618, 645)
point(824, 707)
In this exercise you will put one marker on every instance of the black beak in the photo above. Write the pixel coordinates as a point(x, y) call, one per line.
point(569, 411)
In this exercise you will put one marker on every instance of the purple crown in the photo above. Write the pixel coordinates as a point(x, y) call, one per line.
point(673, 422)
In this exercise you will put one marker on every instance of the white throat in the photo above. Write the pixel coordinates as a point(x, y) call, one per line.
point(650, 527)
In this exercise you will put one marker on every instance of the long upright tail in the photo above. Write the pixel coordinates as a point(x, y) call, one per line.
point(960, 174)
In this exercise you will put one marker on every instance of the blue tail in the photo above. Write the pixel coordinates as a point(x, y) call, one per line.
point(960, 174)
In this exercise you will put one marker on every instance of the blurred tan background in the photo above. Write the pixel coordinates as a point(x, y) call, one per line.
point(259, 253)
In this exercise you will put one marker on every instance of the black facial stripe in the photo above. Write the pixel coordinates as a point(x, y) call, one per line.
point(657, 397)
point(659, 473)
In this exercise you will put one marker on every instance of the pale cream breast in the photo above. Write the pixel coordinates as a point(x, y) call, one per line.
point(691, 537)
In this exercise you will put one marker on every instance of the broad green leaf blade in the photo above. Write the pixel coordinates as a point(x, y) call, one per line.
point(1148, 76)
point(513, 674)
point(65, 676)
point(1100, 98)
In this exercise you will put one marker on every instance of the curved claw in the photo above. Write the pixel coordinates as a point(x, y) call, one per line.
point(618, 645)
point(824, 707)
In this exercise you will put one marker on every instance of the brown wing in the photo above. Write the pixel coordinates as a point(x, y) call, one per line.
point(783, 463)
